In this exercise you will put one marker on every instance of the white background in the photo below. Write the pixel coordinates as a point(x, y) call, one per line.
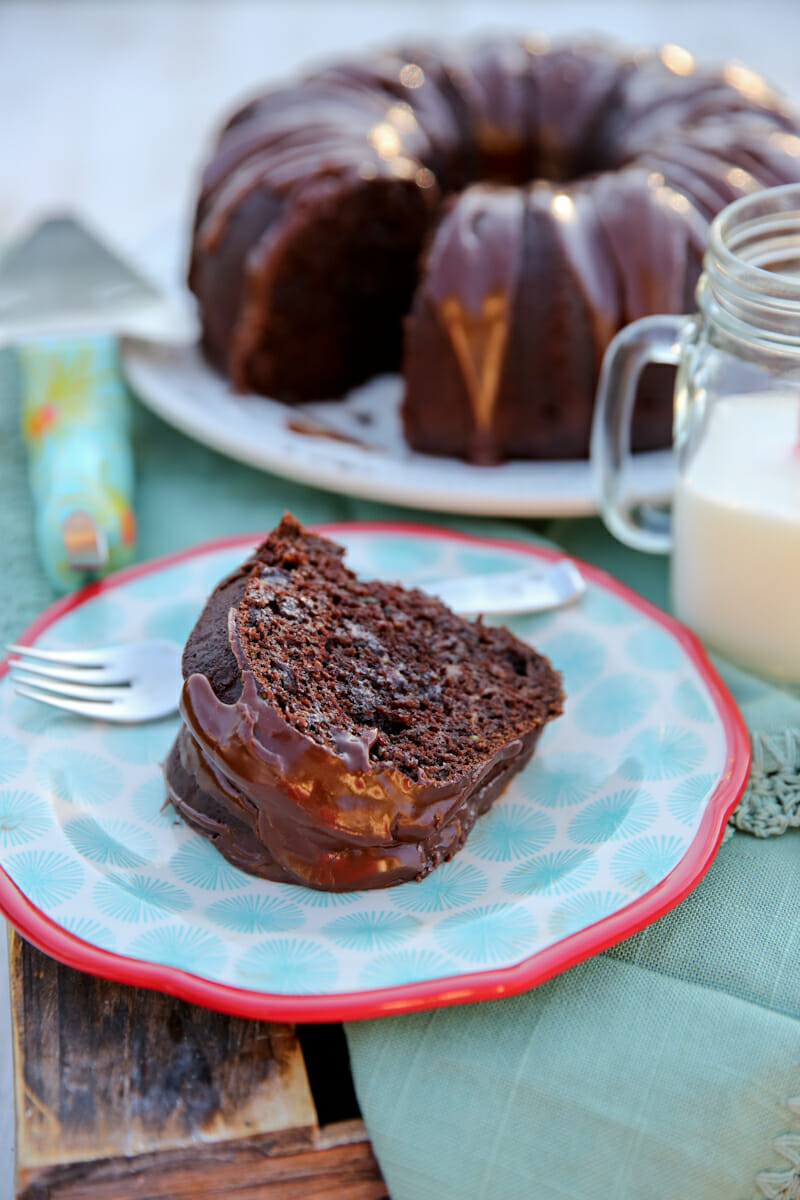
point(107, 108)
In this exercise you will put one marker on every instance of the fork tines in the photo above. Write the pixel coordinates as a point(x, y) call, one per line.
point(53, 677)
point(136, 681)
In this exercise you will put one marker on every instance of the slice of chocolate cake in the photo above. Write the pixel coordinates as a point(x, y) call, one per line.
point(344, 734)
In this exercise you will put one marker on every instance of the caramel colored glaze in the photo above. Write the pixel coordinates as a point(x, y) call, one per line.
point(474, 265)
point(479, 343)
point(279, 805)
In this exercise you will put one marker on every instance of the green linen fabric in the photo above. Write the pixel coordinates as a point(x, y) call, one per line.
point(604, 1083)
point(667, 1068)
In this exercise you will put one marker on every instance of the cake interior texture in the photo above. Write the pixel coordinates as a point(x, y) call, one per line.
point(433, 694)
point(372, 687)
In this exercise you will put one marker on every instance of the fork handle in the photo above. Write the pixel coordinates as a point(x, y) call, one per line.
point(76, 424)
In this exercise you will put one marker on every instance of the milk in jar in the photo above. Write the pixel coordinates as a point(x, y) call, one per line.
point(736, 533)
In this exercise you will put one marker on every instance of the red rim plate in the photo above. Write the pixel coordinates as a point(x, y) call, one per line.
point(43, 932)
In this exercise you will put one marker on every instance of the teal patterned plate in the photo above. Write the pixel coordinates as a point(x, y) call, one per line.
point(615, 819)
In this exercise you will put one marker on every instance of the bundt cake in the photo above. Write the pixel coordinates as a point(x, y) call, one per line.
point(342, 734)
point(515, 202)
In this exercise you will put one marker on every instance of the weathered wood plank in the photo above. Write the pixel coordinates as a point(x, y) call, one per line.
point(246, 1170)
point(126, 1094)
point(103, 1071)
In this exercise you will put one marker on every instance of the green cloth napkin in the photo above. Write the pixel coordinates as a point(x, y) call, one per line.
point(665, 1068)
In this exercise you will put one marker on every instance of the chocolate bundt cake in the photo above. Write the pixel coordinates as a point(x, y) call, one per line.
point(520, 201)
point(342, 734)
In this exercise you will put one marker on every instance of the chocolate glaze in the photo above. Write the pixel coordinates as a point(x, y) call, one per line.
point(473, 266)
point(541, 324)
point(665, 222)
point(435, 119)
point(476, 251)
point(279, 805)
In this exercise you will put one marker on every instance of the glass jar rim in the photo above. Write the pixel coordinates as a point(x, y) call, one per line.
point(752, 215)
point(743, 288)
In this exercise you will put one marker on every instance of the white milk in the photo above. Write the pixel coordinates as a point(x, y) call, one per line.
point(736, 529)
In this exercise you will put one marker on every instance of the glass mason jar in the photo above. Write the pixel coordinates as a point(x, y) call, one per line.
point(734, 531)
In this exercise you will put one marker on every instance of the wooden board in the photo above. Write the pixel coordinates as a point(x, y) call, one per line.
point(122, 1092)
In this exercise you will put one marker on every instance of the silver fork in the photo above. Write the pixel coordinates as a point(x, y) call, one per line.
point(140, 681)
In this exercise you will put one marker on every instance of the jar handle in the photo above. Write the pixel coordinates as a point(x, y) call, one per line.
point(657, 339)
